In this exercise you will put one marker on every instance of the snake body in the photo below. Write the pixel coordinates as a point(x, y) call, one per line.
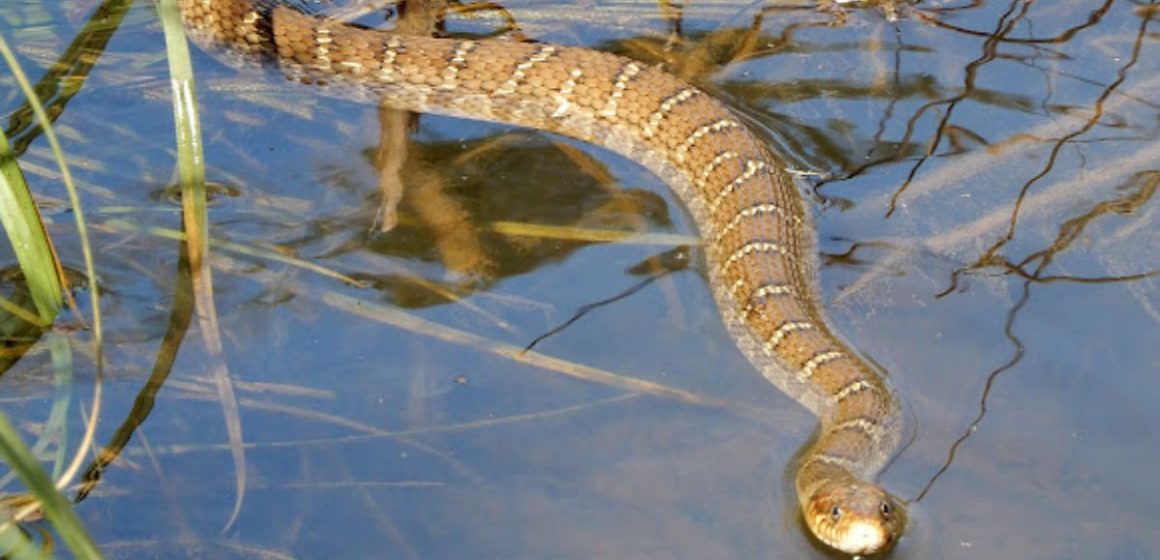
point(758, 238)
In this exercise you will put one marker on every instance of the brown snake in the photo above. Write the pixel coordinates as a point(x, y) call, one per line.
point(758, 238)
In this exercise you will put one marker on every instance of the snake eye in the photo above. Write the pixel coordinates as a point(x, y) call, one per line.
point(886, 508)
point(836, 512)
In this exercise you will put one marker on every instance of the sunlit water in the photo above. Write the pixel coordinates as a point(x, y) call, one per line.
point(983, 177)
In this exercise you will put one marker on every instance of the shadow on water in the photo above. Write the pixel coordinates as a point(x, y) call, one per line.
point(983, 178)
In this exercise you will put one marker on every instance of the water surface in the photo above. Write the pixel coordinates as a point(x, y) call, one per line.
point(982, 176)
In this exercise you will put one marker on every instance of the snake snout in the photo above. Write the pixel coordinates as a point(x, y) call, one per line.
point(865, 537)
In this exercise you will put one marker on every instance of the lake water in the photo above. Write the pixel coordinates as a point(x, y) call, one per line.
point(982, 176)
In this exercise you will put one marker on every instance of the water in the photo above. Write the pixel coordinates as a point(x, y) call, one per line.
point(365, 438)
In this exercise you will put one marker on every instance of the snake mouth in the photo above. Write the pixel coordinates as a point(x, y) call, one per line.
point(863, 537)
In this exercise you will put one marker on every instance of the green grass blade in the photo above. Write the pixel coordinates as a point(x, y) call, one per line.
point(74, 198)
point(16, 546)
point(58, 509)
point(30, 242)
point(191, 171)
point(86, 247)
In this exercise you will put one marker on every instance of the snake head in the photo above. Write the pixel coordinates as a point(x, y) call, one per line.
point(855, 517)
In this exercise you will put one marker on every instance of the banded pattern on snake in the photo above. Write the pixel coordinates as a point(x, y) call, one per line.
point(759, 240)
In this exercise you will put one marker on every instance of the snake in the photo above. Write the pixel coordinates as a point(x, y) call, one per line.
point(758, 238)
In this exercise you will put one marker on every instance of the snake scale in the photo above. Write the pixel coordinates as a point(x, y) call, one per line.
point(758, 237)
